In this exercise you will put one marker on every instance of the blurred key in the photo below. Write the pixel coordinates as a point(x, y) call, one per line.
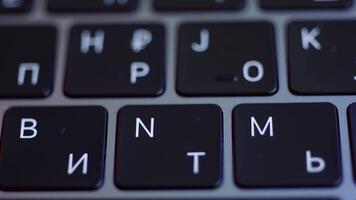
point(305, 4)
point(15, 6)
point(352, 126)
point(116, 60)
point(91, 5)
point(27, 61)
point(201, 5)
point(321, 57)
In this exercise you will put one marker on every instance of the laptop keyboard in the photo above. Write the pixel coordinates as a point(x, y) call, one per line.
point(177, 99)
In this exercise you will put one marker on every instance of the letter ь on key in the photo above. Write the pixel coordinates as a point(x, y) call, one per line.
point(273, 149)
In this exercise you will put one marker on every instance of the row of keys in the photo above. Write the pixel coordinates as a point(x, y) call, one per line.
point(172, 146)
point(214, 59)
point(8, 6)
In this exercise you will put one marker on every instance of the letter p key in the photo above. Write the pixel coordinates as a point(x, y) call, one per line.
point(138, 69)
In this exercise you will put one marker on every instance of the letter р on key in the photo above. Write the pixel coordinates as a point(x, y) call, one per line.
point(129, 59)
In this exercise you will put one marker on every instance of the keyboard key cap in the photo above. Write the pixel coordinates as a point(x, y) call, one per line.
point(52, 148)
point(118, 60)
point(91, 5)
point(27, 61)
point(201, 5)
point(226, 59)
point(169, 146)
point(305, 4)
point(15, 6)
point(286, 145)
point(321, 57)
point(352, 125)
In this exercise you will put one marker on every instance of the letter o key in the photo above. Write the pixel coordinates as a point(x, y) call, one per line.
point(247, 66)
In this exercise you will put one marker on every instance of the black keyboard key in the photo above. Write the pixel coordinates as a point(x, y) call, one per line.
point(53, 148)
point(121, 60)
point(352, 128)
point(321, 57)
point(91, 5)
point(169, 146)
point(197, 5)
point(226, 59)
point(27, 61)
point(286, 145)
point(305, 4)
point(15, 6)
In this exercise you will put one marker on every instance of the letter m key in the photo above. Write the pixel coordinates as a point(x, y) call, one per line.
point(268, 126)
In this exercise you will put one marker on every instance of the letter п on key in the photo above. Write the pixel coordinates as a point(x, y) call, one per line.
point(27, 61)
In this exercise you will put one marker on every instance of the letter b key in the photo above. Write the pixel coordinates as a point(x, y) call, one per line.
point(51, 148)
